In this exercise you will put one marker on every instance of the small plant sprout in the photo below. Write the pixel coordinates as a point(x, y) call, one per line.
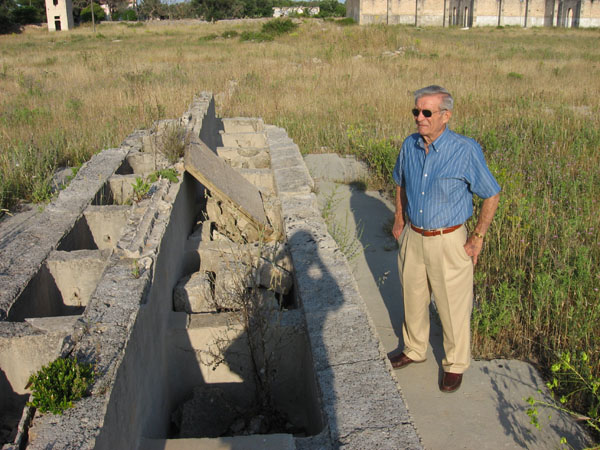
point(140, 189)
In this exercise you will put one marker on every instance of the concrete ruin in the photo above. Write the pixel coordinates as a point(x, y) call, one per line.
point(476, 13)
point(139, 283)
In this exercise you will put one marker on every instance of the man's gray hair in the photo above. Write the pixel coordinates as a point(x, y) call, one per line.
point(447, 100)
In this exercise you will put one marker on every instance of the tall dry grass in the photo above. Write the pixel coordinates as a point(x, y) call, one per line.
point(530, 96)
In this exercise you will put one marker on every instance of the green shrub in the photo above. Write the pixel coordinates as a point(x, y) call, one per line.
point(86, 14)
point(55, 387)
point(277, 27)
point(255, 36)
point(346, 21)
point(26, 14)
point(331, 8)
point(126, 14)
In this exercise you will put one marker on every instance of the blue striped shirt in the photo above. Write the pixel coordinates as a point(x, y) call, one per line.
point(440, 185)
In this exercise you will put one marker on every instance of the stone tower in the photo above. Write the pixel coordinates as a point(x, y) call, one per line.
point(59, 14)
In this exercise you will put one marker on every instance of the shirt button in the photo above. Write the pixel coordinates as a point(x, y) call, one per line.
point(421, 211)
point(425, 174)
point(422, 193)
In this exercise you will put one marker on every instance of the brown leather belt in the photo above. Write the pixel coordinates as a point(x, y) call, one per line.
point(429, 233)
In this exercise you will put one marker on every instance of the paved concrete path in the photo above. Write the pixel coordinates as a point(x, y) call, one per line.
point(489, 411)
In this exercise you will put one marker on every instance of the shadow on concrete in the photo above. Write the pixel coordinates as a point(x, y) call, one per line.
point(510, 412)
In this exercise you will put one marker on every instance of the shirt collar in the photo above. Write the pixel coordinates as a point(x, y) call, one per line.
point(435, 145)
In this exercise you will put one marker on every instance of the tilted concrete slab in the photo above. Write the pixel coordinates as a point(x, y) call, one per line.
point(225, 183)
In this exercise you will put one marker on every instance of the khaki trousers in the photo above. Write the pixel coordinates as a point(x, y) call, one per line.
point(437, 264)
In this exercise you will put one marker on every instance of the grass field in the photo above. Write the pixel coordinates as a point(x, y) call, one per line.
point(529, 96)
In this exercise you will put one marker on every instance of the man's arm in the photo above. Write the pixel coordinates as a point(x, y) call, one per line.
point(475, 243)
point(399, 216)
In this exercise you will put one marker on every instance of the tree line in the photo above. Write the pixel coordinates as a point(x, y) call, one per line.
point(15, 13)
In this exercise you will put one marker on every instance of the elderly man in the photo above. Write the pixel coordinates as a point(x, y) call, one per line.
point(437, 172)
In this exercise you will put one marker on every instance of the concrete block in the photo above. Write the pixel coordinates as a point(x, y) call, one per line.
point(246, 158)
point(261, 178)
point(193, 294)
point(106, 223)
point(231, 280)
point(341, 336)
point(244, 139)
point(121, 188)
point(142, 163)
point(242, 125)
point(225, 183)
point(363, 398)
point(293, 180)
point(77, 273)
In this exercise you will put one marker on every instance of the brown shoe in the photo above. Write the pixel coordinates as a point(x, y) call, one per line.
point(450, 382)
point(401, 361)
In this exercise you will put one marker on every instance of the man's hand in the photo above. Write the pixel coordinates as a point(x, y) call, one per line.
point(473, 247)
point(397, 228)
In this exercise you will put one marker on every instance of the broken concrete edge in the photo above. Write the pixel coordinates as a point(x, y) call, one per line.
point(359, 397)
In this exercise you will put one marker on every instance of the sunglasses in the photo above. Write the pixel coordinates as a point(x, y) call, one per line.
point(426, 112)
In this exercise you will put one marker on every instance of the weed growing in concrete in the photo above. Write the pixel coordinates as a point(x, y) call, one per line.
point(140, 189)
point(55, 387)
point(168, 174)
point(135, 269)
point(173, 142)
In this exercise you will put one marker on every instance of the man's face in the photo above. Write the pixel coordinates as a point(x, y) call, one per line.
point(431, 127)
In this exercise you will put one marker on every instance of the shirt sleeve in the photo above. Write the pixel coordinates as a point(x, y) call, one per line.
point(481, 181)
point(397, 173)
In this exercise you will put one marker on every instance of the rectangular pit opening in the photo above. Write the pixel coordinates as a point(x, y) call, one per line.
point(118, 190)
point(217, 400)
point(41, 298)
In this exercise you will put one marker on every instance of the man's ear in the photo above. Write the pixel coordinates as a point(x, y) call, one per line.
point(446, 116)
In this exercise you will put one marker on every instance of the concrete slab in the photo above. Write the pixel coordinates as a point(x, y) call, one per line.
point(224, 182)
point(257, 441)
point(489, 410)
point(243, 139)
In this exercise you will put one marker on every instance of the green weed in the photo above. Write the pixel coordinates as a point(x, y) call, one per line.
point(55, 387)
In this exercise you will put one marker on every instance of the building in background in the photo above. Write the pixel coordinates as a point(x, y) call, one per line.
point(475, 13)
point(59, 14)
